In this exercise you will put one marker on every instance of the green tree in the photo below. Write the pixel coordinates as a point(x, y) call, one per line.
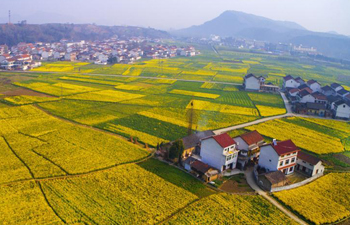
point(176, 150)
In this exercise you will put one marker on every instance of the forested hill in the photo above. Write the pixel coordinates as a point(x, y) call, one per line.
point(13, 34)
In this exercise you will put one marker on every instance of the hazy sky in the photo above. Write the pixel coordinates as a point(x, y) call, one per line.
point(316, 15)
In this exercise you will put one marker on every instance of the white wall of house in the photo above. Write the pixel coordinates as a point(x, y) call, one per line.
point(307, 98)
point(213, 154)
point(343, 111)
point(241, 144)
point(290, 84)
point(268, 158)
point(315, 169)
point(252, 83)
point(315, 87)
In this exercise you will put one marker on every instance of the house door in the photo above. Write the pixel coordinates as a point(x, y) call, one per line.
point(285, 171)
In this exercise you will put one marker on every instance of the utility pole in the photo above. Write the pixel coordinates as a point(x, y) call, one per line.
point(9, 17)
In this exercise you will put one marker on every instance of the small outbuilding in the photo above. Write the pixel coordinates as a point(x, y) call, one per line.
point(206, 172)
point(272, 180)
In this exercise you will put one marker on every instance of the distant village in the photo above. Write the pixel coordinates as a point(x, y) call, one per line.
point(261, 46)
point(25, 56)
point(311, 98)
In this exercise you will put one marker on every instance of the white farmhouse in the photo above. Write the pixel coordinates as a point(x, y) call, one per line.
point(314, 85)
point(305, 96)
point(251, 82)
point(280, 156)
point(289, 82)
point(341, 109)
point(309, 164)
point(219, 152)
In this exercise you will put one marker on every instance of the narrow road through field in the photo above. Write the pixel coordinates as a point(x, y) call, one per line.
point(250, 179)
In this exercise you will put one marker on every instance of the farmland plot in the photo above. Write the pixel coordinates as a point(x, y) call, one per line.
point(23, 203)
point(50, 147)
point(323, 201)
point(129, 194)
point(231, 209)
point(303, 137)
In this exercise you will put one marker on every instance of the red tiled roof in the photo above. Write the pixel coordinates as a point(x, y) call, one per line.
point(224, 140)
point(308, 158)
point(288, 77)
point(252, 137)
point(284, 147)
point(293, 90)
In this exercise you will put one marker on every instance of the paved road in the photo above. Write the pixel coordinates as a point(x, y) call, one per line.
point(250, 179)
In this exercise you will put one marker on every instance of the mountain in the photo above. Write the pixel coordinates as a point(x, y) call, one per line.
point(14, 33)
point(248, 26)
point(233, 23)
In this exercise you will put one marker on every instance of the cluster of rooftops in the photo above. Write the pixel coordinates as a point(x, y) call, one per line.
point(310, 97)
point(210, 155)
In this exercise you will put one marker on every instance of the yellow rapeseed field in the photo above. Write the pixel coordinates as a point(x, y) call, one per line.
point(323, 201)
point(143, 137)
point(205, 105)
point(303, 137)
point(231, 209)
point(127, 194)
point(25, 99)
point(192, 93)
point(106, 96)
point(57, 89)
point(23, 203)
point(51, 147)
point(270, 111)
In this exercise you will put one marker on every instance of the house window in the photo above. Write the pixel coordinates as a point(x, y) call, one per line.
point(281, 163)
point(291, 169)
point(293, 160)
point(287, 161)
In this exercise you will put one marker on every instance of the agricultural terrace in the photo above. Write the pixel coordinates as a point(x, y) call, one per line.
point(151, 110)
point(231, 209)
point(36, 145)
point(319, 136)
point(324, 201)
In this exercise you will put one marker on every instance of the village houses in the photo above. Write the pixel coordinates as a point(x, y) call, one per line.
point(312, 99)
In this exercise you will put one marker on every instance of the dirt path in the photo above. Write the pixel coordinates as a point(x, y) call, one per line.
point(254, 186)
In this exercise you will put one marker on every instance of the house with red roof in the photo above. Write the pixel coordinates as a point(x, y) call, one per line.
point(248, 145)
point(219, 152)
point(280, 156)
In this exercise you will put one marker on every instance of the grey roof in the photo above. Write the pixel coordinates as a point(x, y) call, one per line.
point(335, 85)
point(193, 140)
point(333, 98)
point(275, 177)
point(340, 102)
point(327, 88)
point(342, 92)
point(312, 105)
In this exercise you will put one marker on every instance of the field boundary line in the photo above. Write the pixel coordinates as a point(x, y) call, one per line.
point(48, 203)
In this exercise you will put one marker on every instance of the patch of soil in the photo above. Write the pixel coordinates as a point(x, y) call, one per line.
point(233, 186)
point(23, 91)
point(342, 158)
